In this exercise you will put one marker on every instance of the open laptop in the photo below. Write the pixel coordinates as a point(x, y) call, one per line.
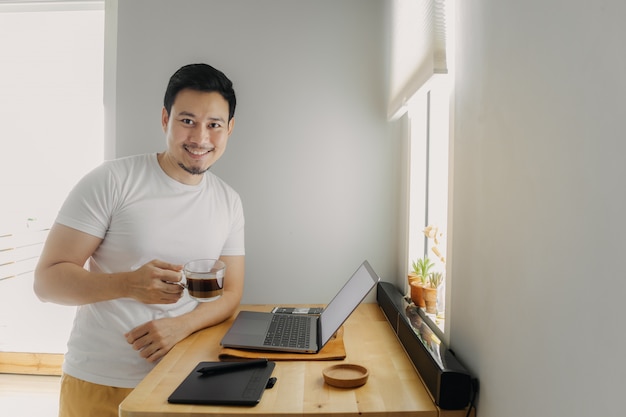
point(259, 331)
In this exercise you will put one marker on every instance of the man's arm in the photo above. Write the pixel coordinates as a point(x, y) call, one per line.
point(155, 338)
point(60, 276)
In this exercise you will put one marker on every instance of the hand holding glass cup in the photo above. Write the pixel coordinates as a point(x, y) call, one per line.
point(204, 279)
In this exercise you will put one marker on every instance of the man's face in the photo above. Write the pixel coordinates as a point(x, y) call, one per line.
point(197, 131)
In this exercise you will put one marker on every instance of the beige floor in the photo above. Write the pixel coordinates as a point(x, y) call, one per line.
point(29, 395)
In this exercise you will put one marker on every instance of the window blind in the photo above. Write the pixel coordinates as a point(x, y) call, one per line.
point(418, 49)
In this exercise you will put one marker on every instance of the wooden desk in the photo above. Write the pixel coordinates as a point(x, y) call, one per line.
point(393, 387)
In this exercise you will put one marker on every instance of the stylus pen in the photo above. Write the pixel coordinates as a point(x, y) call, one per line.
point(234, 366)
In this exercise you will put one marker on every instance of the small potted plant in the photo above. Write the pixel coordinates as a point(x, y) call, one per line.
point(435, 279)
point(418, 279)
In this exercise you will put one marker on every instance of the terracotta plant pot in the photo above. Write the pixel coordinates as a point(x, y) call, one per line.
point(430, 299)
point(417, 295)
point(412, 277)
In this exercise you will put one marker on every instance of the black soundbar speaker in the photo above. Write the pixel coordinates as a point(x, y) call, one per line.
point(449, 383)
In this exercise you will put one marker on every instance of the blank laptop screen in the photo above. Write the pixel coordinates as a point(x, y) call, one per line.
point(350, 296)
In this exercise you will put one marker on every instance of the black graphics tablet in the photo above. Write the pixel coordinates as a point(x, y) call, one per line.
point(235, 386)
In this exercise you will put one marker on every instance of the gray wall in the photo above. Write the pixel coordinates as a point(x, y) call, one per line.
point(311, 154)
point(539, 205)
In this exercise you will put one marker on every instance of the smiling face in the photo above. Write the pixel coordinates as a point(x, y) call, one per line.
point(197, 130)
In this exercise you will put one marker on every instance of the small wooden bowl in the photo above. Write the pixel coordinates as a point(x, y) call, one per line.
point(346, 375)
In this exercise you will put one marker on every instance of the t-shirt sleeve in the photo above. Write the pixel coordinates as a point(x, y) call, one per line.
point(89, 205)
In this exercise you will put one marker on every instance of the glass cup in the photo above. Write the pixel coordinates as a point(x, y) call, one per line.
point(204, 279)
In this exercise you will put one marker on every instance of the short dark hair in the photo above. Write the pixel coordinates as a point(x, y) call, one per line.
point(200, 77)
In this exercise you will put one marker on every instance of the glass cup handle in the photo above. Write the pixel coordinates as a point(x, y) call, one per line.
point(183, 279)
point(182, 283)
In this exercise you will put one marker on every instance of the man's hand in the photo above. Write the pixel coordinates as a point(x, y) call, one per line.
point(156, 283)
point(157, 337)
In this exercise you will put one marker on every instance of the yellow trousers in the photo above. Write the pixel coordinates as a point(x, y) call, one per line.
point(83, 399)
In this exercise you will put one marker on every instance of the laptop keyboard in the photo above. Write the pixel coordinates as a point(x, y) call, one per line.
point(288, 331)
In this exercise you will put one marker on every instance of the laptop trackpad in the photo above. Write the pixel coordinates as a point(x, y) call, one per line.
point(251, 325)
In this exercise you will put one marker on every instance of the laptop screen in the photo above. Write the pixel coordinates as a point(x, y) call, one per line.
point(344, 303)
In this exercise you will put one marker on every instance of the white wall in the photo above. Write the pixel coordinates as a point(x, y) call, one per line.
point(311, 154)
point(539, 205)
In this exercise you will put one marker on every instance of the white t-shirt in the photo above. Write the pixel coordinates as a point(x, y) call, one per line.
point(142, 214)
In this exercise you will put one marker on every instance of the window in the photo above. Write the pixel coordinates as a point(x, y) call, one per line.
point(51, 110)
point(428, 196)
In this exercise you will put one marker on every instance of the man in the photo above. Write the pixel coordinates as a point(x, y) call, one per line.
point(119, 242)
